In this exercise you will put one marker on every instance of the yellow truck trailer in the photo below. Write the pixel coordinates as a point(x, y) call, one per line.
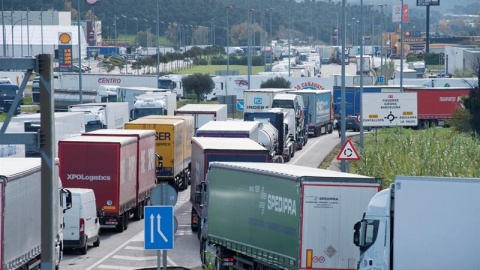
point(169, 146)
point(188, 134)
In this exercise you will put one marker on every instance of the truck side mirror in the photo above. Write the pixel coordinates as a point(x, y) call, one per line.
point(160, 161)
point(198, 197)
point(356, 234)
point(67, 196)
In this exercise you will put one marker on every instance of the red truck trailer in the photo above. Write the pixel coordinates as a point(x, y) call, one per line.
point(107, 165)
point(435, 105)
point(145, 162)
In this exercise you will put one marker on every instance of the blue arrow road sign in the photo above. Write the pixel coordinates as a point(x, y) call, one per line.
point(380, 79)
point(159, 227)
point(240, 105)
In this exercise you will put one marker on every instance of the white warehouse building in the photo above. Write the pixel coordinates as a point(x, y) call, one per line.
point(461, 58)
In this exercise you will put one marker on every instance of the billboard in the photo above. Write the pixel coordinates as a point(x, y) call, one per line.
point(389, 109)
point(428, 2)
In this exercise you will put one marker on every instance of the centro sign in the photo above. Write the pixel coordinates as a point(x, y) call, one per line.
point(109, 80)
point(389, 109)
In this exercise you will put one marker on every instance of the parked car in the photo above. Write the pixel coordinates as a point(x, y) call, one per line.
point(352, 124)
point(325, 61)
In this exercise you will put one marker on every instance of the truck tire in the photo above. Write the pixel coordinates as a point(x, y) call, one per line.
point(203, 256)
point(293, 151)
point(120, 226)
point(138, 212)
point(83, 250)
point(126, 215)
point(97, 242)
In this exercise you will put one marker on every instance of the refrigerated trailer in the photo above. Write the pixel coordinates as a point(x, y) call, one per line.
point(318, 104)
point(203, 113)
point(279, 216)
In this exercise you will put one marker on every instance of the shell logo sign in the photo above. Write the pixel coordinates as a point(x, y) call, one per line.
point(65, 38)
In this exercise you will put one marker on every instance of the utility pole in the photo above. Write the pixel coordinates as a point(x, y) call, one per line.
point(3, 33)
point(80, 90)
point(342, 114)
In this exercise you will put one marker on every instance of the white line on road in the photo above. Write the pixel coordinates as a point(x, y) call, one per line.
point(134, 258)
point(134, 248)
point(116, 267)
point(140, 235)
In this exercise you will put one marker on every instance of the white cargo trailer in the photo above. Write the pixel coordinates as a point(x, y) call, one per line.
point(261, 99)
point(203, 113)
point(111, 115)
point(421, 223)
point(67, 124)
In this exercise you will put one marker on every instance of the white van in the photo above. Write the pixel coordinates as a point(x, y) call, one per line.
point(82, 225)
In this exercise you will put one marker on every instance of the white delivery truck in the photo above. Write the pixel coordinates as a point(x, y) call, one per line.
point(230, 129)
point(67, 124)
point(367, 64)
point(154, 104)
point(111, 115)
point(107, 93)
point(82, 225)
point(421, 223)
point(203, 113)
point(13, 150)
point(261, 99)
point(20, 214)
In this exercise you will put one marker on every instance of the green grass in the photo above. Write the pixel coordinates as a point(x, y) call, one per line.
point(2, 117)
point(439, 152)
point(435, 67)
point(210, 69)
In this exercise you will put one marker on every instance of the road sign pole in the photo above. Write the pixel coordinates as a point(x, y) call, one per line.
point(164, 267)
point(158, 260)
point(164, 252)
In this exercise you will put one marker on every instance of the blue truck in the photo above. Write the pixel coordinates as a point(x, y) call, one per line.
point(352, 99)
point(319, 113)
point(7, 96)
point(206, 150)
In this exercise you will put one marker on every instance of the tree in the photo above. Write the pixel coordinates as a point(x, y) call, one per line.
point(277, 82)
point(200, 84)
point(472, 102)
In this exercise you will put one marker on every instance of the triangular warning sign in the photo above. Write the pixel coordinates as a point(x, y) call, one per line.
point(348, 152)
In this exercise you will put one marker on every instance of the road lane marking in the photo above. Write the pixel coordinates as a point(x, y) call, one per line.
point(300, 157)
point(140, 235)
point(134, 248)
point(134, 258)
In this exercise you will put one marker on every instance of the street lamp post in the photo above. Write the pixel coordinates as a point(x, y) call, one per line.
point(381, 43)
point(126, 44)
point(41, 26)
point(157, 31)
point(115, 31)
point(228, 42)
point(136, 35)
point(80, 90)
point(4, 35)
point(28, 34)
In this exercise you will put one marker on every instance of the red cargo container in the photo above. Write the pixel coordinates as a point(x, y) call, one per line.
point(435, 105)
point(145, 163)
point(107, 165)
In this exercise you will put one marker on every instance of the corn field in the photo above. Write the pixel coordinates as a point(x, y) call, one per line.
point(431, 152)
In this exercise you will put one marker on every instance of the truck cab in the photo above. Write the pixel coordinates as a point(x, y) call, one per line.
point(372, 233)
point(295, 102)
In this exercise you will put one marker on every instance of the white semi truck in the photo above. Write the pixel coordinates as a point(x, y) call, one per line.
point(20, 214)
point(112, 115)
point(154, 104)
point(421, 223)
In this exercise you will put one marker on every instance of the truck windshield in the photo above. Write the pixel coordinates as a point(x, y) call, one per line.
point(285, 104)
point(93, 125)
point(148, 111)
point(8, 91)
point(369, 232)
point(165, 84)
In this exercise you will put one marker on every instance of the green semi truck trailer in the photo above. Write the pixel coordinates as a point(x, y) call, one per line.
point(278, 216)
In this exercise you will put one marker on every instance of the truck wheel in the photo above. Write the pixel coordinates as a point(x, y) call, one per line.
point(293, 151)
point(138, 215)
point(126, 216)
point(120, 225)
point(287, 158)
point(84, 249)
point(97, 242)
point(203, 250)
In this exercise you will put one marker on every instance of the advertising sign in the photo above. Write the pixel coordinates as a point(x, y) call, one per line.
point(428, 2)
point(389, 109)
point(65, 51)
point(396, 13)
point(405, 13)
